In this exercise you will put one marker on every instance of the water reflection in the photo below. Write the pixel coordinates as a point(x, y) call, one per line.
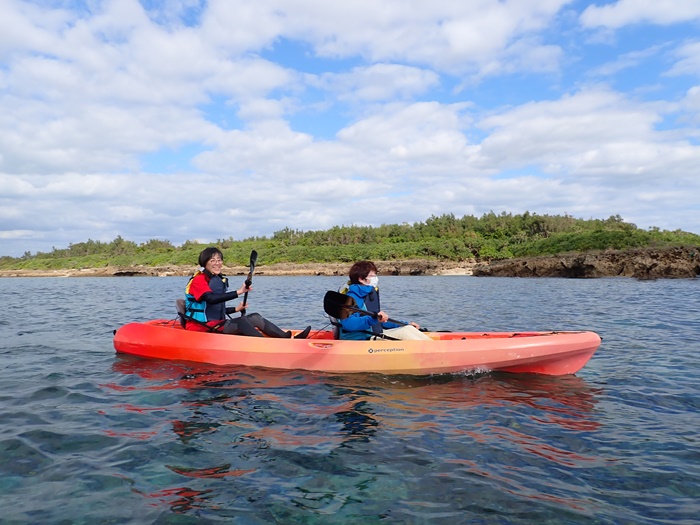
point(354, 399)
point(284, 433)
point(182, 500)
point(358, 421)
point(220, 471)
point(360, 403)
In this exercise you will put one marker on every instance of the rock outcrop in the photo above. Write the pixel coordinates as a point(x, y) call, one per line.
point(643, 264)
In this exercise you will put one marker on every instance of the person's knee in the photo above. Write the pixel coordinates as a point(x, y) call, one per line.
point(230, 327)
point(255, 320)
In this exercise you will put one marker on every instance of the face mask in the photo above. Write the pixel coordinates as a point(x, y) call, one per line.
point(374, 281)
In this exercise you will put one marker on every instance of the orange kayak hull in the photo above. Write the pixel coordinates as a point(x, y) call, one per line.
point(551, 353)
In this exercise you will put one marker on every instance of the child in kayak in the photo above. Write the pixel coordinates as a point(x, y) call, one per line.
point(364, 288)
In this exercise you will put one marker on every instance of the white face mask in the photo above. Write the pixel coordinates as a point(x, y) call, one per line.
point(374, 281)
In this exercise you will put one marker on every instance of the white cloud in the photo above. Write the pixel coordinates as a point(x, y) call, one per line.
point(627, 61)
point(27, 27)
point(448, 36)
point(239, 26)
point(689, 60)
point(404, 134)
point(690, 107)
point(625, 12)
point(379, 82)
point(597, 134)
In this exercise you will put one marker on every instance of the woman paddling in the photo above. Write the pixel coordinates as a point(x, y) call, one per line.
point(205, 303)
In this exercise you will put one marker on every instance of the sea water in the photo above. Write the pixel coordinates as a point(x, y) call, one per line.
point(89, 436)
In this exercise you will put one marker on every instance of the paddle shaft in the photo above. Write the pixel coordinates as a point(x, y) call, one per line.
point(334, 302)
point(249, 280)
point(372, 314)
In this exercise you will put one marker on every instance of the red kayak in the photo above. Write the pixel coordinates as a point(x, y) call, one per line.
point(551, 353)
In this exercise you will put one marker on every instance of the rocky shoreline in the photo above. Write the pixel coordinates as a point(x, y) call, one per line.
point(407, 267)
point(643, 264)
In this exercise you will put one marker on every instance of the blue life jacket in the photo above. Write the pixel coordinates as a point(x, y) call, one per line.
point(193, 309)
point(363, 326)
point(200, 311)
point(371, 304)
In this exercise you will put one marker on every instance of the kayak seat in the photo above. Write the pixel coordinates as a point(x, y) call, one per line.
point(335, 324)
point(180, 308)
point(181, 314)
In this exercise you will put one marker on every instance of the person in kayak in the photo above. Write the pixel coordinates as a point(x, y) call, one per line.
point(363, 287)
point(205, 303)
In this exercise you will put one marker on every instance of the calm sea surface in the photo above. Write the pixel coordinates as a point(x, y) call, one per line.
point(90, 437)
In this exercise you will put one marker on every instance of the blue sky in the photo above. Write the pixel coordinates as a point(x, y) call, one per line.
point(193, 120)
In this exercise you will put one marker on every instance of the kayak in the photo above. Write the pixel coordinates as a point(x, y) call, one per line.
point(550, 353)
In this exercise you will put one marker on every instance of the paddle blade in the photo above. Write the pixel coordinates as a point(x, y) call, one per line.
point(338, 305)
point(253, 260)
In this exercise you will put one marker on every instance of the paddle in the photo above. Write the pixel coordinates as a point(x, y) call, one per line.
point(249, 280)
point(340, 305)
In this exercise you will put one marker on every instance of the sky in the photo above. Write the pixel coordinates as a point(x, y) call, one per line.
point(203, 120)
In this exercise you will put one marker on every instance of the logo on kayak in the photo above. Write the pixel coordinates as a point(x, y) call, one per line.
point(380, 350)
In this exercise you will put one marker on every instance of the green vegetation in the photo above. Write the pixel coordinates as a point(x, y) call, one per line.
point(446, 237)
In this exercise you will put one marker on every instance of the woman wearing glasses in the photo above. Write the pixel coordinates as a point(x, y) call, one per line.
point(205, 303)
